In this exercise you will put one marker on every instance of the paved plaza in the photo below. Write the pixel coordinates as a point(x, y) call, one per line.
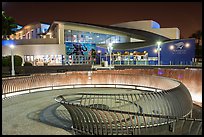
point(30, 114)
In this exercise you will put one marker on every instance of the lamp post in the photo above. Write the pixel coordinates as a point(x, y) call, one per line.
point(110, 48)
point(12, 60)
point(158, 51)
point(171, 47)
point(99, 52)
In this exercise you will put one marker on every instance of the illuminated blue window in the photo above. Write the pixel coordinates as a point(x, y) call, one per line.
point(18, 28)
point(44, 27)
point(155, 25)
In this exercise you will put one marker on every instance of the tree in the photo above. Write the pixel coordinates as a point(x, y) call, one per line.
point(5, 61)
point(197, 35)
point(8, 26)
point(198, 49)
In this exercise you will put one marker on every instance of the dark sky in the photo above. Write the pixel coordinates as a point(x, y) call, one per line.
point(187, 16)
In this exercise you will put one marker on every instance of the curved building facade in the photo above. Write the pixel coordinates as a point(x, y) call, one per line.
point(73, 43)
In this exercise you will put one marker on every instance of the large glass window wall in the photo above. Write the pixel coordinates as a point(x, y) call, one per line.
point(42, 60)
point(91, 37)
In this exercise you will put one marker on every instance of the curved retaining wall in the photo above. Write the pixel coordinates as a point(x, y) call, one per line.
point(172, 96)
point(190, 77)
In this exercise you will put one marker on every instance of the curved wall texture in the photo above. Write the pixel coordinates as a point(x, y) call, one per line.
point(170, 93)
point(191, 78)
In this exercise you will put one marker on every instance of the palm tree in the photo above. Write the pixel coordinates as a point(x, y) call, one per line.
point(8, 26)
point(197, 35)
point(198, 49)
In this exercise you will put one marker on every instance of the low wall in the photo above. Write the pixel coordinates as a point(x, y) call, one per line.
point(122, 67)
point(191, 78)
point(172, 96)
point(26, 70)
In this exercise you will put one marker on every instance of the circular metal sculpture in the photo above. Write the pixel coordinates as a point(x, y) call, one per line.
point(154, 101)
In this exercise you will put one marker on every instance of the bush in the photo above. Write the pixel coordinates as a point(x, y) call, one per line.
point(103, 64)
point(18, 60)
point(6, 61)
point(27, 64)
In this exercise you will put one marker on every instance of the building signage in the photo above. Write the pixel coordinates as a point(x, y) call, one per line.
point(179, 48)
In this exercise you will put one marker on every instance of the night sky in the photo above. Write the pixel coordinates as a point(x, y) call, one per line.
point(187, 16)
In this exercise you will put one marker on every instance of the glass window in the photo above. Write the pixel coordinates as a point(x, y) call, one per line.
point(38, 30)
point(67, 36)
point(92, 37)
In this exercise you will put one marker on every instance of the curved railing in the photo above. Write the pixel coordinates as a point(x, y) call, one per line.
point(166, 98)
point(115, 114)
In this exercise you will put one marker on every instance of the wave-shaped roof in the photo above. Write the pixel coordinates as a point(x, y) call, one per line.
point(148, 37)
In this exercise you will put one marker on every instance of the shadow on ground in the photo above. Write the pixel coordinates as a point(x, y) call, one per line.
point(53, 115)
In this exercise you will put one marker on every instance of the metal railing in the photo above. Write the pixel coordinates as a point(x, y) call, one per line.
point(163, 103)
point(116, 114)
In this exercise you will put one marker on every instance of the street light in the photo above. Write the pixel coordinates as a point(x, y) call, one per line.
point(110, 48)
point(158, 51)
point(12, 61)
point(171, 47)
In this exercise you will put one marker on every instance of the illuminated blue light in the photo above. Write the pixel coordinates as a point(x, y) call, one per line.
point(7, 42)
point(160, 72)
point(180, 76)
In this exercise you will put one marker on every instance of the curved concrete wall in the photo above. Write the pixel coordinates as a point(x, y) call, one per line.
point(173, 97)
point(148, 25)
point(190, 77)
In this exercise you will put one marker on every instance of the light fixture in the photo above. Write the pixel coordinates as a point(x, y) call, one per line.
point(12, 46)
point(187, 45)
point(171, 47)
point(110, 44)
point(159, 43)
point(158, 50)
point(12, 60)
point(110, 48)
